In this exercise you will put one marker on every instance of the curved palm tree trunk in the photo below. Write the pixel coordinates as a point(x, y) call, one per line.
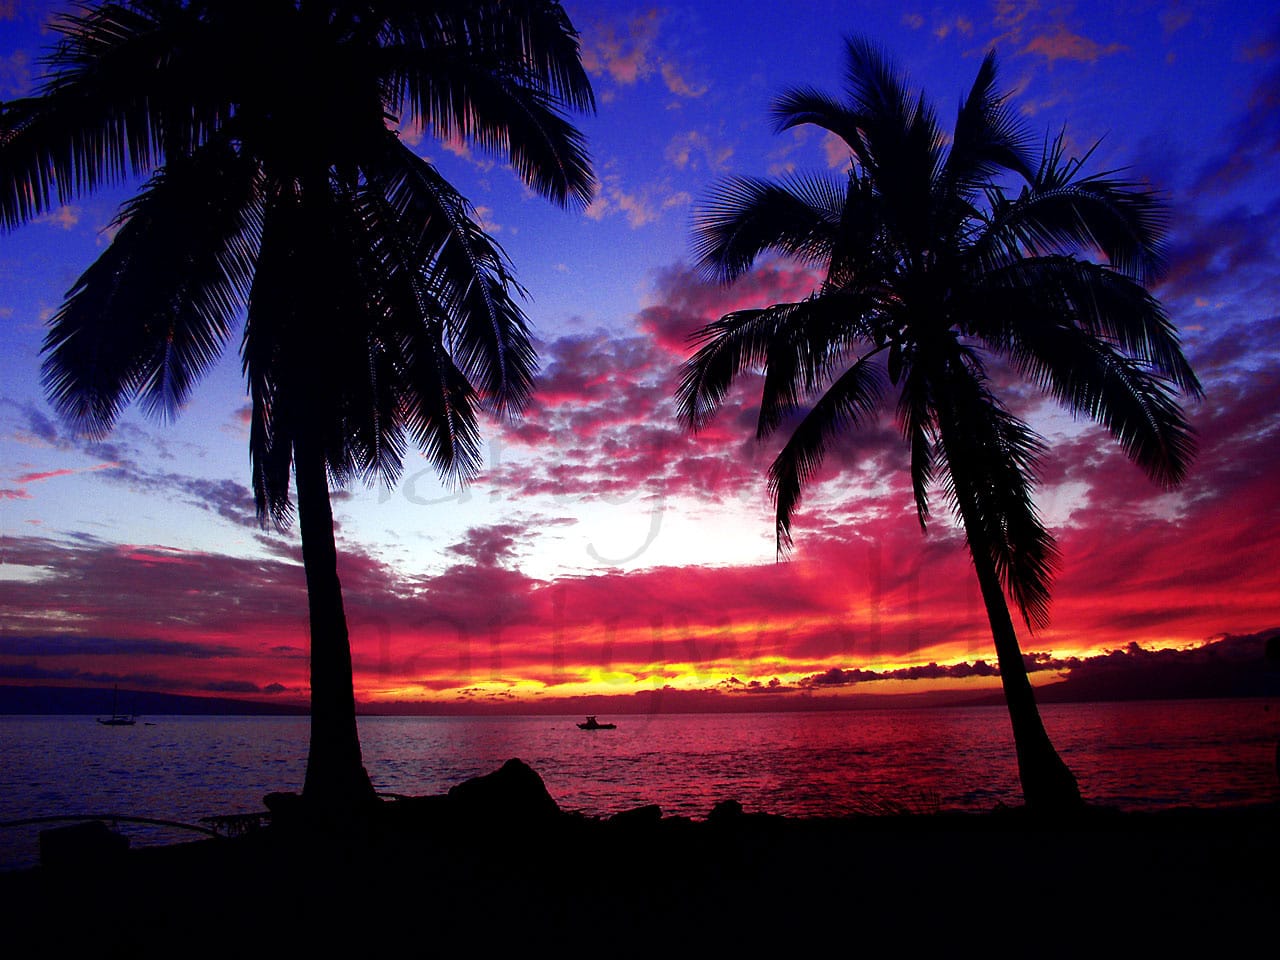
point(336, 780)
point(1047, 782)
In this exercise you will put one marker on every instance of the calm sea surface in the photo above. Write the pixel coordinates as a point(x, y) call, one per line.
point(1130, 755)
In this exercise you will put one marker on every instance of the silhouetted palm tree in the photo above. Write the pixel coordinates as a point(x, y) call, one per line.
point(937, 253)
point(377, 309)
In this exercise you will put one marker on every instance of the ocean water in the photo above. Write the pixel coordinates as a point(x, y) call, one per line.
point(1134, 756)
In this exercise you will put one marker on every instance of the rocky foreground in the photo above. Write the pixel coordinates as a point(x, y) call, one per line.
point(494, 867)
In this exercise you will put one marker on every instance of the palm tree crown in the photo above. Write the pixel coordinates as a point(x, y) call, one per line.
point(376, 310)
point(937, 253)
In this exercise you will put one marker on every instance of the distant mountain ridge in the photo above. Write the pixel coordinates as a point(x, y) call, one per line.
point(85, 700)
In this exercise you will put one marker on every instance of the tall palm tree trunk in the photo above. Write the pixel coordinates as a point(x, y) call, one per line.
point(336, 779)
point(1047, 782)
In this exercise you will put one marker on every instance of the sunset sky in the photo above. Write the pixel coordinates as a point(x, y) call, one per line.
point(606, 551)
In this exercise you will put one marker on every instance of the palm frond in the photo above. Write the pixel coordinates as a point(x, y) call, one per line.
point(407, 316)
point(538, 34)
point(1091, 296)
point(270, 451)
point(878, 90)
point(797, 346)
point(812, 339)
point(373, 431)
point(745, 217)
point(989, 138)
point(498, 82)
point(437, 402)
point(917, 421)
point(442, 415)
point(851, 401)
point(153, 313)
point(865, 253)
point(1065, 212)
point(736, 343)
point(267, 357)
point(896, 124)
point(485, 328)
point(535, 36)
point(1090, 377)
point(902, 145)
point(359, 355)
point(123, 84)
point(991, 459)
point(807, 106)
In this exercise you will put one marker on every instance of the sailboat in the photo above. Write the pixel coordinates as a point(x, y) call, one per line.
point(117, 719)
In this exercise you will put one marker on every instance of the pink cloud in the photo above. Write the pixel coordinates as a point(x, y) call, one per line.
point(622, 53)
point(836, 151)
point(36, 477)
point(682, 302)
point(627, 53)
point(855, 593)
point(865, 589)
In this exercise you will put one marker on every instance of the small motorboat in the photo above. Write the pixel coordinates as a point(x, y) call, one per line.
point(593, 724)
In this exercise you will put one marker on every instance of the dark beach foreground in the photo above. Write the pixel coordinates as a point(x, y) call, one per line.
point(495, 868)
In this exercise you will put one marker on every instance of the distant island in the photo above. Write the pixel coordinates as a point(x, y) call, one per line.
point(89, 700)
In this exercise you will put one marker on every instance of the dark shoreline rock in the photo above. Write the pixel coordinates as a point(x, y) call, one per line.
point(88, 845)
point(512, 793)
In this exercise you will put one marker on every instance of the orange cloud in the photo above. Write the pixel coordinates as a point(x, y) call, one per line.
point(961, 25)
point(641, 207)
point(694, 148)
point(65, 217)
point(1063, 44)
point(680, 86)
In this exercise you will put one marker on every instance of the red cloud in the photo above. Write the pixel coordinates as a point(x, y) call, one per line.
point(865, 590)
